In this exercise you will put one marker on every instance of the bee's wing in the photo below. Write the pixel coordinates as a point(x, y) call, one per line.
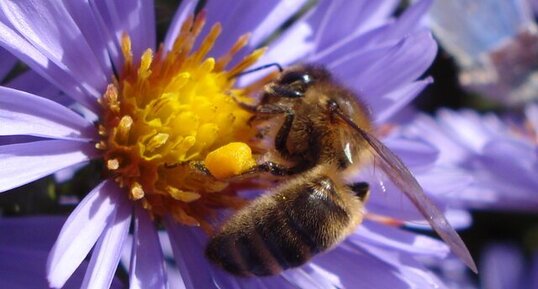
point(402, 177)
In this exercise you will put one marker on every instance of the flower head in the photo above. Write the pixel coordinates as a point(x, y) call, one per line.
point(494, 44)
point(160, 111)
point(484, 147)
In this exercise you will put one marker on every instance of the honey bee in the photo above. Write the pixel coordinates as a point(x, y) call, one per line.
point(325, 132)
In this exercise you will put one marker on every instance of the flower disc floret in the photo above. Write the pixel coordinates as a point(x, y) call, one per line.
point(165, 113)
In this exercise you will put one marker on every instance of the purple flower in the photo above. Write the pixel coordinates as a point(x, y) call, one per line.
point(504, 266)
point(500, 154)
point(92, 50)
point(494, 44)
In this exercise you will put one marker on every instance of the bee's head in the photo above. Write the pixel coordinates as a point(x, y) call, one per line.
point(295, 81)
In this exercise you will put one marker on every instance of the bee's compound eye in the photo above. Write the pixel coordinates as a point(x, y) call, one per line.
point(296, 76)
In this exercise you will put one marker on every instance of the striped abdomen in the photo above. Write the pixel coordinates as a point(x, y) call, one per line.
point(305, 216)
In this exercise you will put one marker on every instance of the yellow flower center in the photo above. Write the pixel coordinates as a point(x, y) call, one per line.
point(164, 115)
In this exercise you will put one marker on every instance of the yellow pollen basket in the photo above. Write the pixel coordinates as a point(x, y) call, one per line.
point(171, 132)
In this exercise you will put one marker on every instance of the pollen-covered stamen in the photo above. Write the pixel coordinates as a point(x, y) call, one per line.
point(167, 112)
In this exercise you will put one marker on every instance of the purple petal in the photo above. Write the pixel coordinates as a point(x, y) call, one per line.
point(390, 70)
point(502, 267)
point(353, 18)
point(398, 240)
point(107, 252)
point(7, 62)
point(308, 277)
point(412, 152)
point(22, 113)
point(409, 21)
point(147, 263)
point(393, 102)
point(242, 16)
point(80, 232)
point(38, 233)
point(26, 162)
point(295, 43)
point(135, 17)
point(445, 183)
point(36, 60)
point(427, 128)
point(188, 253)
point(185, 9)
point(354, 265)
point(29, 81)
point(82, 14)
point(467, 128)
point(50, 28)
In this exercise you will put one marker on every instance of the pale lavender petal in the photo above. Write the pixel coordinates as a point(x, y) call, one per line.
point(185, 9)
point(445, 182)
point(387, 106)
point(373, 268)
point(188, 253)
point(353, 18)
point(7, 62)
point(36, 60)
point(502, 267)
point(147, 263)
point(411, 151)
point(107, 252)
point(22, 113)
point(31, 82)
point(467, 128)
point(396, 239)
point(409, 21)
point(402, 64)
point(301, 279)
point(291, 46)
point(67, 174)
point(135, 17)
point(50, 28)
point(242, 16)
point(427, 128)
point(82, 14)
point(26, 162)
point(411, 271)
point(80, 232)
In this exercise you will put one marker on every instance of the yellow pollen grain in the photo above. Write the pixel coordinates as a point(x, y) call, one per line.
point(230, 160)
point(113, 164)
point(137, 192)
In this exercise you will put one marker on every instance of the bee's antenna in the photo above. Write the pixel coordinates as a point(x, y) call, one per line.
point(280, 69)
